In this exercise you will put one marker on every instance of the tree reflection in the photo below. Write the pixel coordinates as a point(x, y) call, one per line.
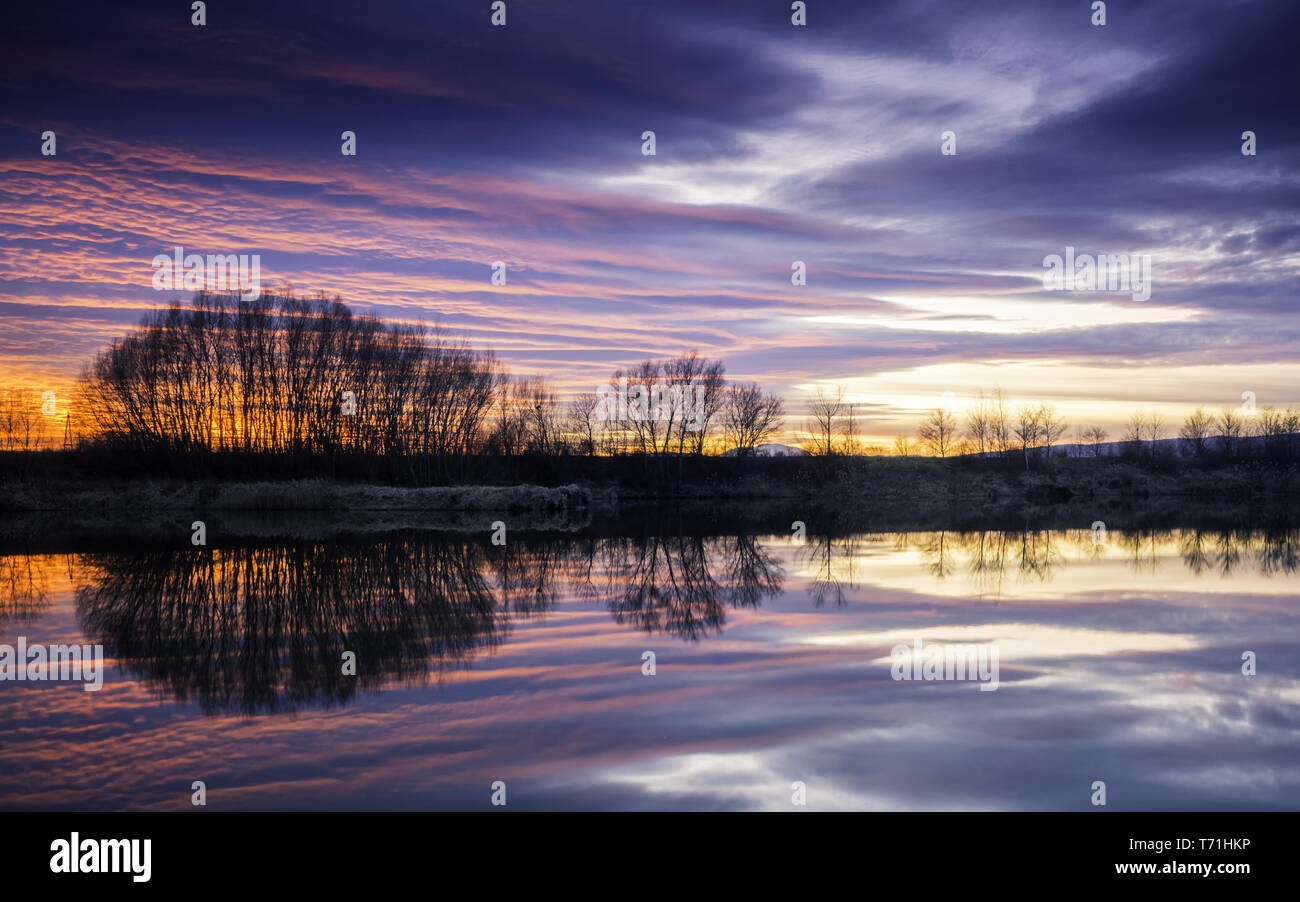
point(1035, 555)
point(264, 628)
point(832, 564)
point(667, 583)
point(24, 587)
point(988, 553)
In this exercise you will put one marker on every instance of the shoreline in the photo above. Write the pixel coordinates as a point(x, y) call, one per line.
point(76, 514)
point(126, 496)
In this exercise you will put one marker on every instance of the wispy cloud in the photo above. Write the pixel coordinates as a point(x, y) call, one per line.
point(774, 144)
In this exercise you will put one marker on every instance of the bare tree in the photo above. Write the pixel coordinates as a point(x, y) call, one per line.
point(543, 418)
point(697, 385)
point(750, 417)
point(714, 382)
point(1095, 437)
point(979, 425)
point(680, 375)
point(1195, 432)
point(1134, 431)
point(999, 416)
point(1278, 430)
point(20, 419)
point(850, 444)
point(1231, 428)
point(583, 422)
point(1155, 432)
point(939, 432)
point(1051, 427)
point(825, 410)
point(1028, 428)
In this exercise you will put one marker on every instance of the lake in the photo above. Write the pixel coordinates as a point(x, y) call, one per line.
point(772, 675)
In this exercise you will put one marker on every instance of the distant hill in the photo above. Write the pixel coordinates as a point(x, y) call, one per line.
point(1251, 445)
point(771, 449)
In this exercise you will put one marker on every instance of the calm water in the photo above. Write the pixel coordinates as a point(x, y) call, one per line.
point(1119, 662)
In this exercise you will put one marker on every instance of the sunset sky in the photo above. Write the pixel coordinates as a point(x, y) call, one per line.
point(775, 143)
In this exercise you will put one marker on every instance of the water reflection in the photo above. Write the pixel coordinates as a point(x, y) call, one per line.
point(262, 628)
point(1120, 661)
point(24, 587)
point(990, 559)
point(681, 585)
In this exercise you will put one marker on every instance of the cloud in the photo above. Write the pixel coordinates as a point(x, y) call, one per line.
point(775, 144)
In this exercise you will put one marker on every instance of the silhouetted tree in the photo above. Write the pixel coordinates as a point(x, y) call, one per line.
point(750, 417)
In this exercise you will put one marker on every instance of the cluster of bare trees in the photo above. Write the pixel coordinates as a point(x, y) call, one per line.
point(993, 428)
point(288, 375)
point(1280, 433)
point(678, 406)
point(750, 417)
point(525, 419)
point(1232, 434)
point(1143, 433)
point(22, 427)
point(681, 397)
point(832, 424)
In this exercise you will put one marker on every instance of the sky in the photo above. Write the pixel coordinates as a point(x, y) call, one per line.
point(774, 143)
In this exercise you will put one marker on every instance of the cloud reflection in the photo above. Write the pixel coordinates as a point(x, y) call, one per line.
point(478, 664)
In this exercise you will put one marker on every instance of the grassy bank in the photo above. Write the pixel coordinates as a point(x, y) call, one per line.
point(565, 483)
point(60, 516)
point(295, 495)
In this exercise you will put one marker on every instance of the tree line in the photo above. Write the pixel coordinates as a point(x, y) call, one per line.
point(310, 378)
point(992, 428)
point(285, 375)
